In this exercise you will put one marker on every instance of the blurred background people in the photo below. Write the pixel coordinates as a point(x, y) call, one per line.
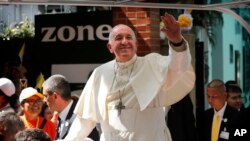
point(32, 134)
point(234, 98)
point(46, 112)
point(15, 71)
point(31, 104)
point(7, 90)
point(10, 124)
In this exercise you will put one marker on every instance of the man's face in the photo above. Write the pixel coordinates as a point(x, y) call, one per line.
point(49, 98)
point(216, 98)
point(235, 100)
point(123, 44)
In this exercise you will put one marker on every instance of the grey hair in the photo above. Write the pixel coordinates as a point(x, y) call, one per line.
point(111, 34)
point(58, 83)
point(218, 84)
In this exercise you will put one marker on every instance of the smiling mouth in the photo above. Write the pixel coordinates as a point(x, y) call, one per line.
point(124, 48)
point(124, 51)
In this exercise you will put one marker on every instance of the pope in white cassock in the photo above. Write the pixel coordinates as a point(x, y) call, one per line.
point(127, 95)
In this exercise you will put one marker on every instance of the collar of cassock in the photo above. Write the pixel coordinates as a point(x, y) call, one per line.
point(128, 63)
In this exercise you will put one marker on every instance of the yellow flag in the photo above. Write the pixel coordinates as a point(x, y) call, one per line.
point(39, 81)
point(21, 52)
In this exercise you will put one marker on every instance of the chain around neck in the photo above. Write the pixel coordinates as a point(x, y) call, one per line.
point(124, 65)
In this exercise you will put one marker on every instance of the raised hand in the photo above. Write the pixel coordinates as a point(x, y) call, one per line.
point(171, 28)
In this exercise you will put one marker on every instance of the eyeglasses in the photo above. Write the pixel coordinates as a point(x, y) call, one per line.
point(39, 101)
point(47, 95)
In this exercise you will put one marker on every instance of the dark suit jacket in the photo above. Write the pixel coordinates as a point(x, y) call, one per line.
point(229, 123)
point(69, 120)
point(244, 123)
point(181, 120)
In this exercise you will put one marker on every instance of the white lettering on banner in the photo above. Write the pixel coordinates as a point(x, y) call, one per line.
point(90, 32)
point(72, 33)
point(101, 30)
point(48, 36)
point(52, 34)
point(240, 132)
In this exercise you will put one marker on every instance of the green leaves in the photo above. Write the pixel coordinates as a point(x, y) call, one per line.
point(23, 29)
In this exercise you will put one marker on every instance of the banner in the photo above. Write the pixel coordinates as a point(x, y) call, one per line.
point(76, 38)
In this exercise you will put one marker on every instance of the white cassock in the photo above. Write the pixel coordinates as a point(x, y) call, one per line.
point(144, 85)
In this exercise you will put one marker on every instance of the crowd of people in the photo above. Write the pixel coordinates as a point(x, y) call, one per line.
point(129, 98)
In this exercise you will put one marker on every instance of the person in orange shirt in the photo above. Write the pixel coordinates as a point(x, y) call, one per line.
point(31, 103)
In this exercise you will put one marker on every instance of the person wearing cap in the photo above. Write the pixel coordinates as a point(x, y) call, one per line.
point(31, 103)
point(7, 90)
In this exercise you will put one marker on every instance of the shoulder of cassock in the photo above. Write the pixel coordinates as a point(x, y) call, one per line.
point(153, 71)
point(156, 74)
point(96, 89)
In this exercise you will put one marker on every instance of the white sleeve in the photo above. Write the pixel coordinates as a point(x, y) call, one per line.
point(80, 129)
point(179, 60)
point(179, 64)
point(180, 78)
